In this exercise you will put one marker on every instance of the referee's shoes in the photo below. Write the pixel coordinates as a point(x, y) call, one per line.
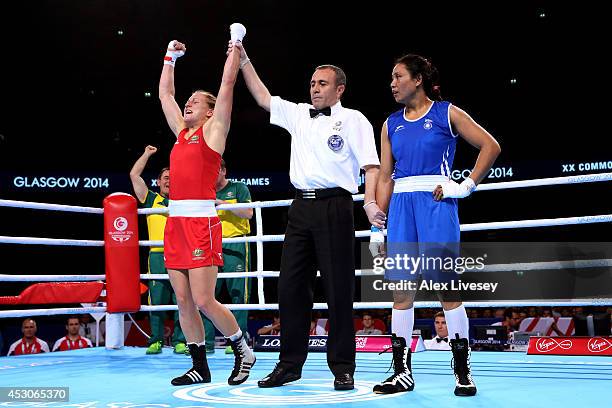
point(344, 382)
point(279, 376)
point(282, 375)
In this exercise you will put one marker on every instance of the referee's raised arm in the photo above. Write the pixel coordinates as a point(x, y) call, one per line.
point(256, 86)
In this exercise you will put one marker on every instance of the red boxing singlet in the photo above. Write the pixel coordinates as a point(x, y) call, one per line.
point(192, 241)
point(194, 168)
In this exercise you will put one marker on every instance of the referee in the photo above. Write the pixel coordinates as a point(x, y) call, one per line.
point(329, 146)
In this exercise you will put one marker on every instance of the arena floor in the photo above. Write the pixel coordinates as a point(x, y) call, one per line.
point(128, 378)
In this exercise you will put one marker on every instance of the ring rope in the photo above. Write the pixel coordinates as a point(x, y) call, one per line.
point(585, 178)
point(259, 238)
point(319, 306)
point(511, 267)
point(51, 278)
point(50, 241)
point(543, 222)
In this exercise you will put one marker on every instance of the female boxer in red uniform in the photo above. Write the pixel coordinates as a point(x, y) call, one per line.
point(192, 238)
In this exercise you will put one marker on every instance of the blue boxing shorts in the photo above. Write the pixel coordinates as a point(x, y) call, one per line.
point(422, 237)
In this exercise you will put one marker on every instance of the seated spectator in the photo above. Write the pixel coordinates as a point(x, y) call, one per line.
point(499, 313)
point(29, 344)
point(368, 326)
point(474, 314)
point(512, 319)
point(440, 341)
point(272, 328)
point(547, 313)
point(487, 313)
point(318, 326)
point(89, 329)
point(72, 340)
point(533, 312)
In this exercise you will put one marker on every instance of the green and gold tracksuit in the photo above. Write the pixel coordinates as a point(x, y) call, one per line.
point(236, 256)
point(160, 291)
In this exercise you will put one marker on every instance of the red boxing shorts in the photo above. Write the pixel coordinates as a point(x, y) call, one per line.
point(192, 242)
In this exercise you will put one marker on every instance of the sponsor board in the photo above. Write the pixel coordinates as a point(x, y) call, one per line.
point(367, 344)
point(571, 346)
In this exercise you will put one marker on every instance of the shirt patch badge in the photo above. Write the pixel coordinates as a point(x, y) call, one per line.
point(400, 127)
point(197, 254)
point(428, 124)
point(194, 139)
point(335, 143)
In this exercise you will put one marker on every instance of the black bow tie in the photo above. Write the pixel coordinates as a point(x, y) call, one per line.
point(324, 111)
point(439, 339)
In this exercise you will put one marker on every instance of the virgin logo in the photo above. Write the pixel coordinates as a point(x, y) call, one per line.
point(598, 345)
point(545, 345)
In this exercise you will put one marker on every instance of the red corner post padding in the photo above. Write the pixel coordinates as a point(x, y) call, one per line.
point(121, 253)
point(56, 292)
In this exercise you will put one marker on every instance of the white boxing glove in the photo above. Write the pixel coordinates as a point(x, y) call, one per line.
point(377, 242)
point(237, 32)
point(172, 53)
point(450, 189)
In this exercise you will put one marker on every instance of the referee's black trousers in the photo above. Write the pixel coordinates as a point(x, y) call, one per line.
point(320, 234)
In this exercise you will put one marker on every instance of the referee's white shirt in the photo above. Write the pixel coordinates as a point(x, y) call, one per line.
point(326, 151)
point(433, 344)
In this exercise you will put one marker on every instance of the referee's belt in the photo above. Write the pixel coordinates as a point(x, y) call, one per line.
point(320, 193)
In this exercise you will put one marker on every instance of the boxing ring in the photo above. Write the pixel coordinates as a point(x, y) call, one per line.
point(99, 377)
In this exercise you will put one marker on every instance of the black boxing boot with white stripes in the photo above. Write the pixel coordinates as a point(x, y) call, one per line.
point(401, 380)
point(199, 373)
point(464, 384)
point(244, 360)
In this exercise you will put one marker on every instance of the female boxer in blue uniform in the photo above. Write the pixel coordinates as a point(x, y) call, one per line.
point(417, 150)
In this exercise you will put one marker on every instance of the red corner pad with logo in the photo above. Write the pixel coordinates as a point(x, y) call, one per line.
point(571, 346)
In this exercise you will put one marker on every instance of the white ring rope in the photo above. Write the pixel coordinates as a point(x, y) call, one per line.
point(545, 222)
point(51, 278)
point(321, 306)
point(484, 226)
point(586, 178)
point(50, 207)
point(511, 267)
point(52, 312)
point(259, 239)
point(50, 241)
